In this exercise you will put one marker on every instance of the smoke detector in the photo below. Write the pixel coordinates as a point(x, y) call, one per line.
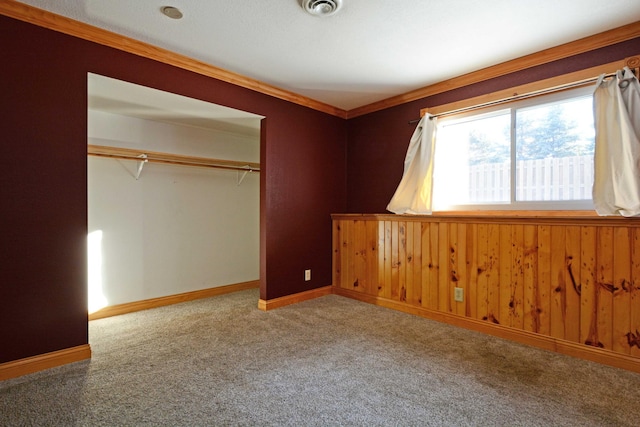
point(321, 7)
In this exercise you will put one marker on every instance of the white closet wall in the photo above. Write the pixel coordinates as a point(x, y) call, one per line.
point(178, 228)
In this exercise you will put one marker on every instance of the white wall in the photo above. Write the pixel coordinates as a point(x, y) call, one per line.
point(176, 229)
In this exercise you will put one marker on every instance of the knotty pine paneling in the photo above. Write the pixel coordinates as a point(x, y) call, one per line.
point(574, 279)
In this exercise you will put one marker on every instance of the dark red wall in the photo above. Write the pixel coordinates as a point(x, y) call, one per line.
point(43, 182)
point(43, 194)
point(378, 141)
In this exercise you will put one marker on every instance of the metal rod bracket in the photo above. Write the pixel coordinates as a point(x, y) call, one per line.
point(244, 174)
point(141, 162)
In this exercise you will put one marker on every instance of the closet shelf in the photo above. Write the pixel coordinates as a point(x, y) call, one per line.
point(167, 158)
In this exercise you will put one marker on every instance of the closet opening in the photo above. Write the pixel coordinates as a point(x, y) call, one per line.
point(173, 196)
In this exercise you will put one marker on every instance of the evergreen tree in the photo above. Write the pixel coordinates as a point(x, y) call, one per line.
point(548, 132)
point(541, 132)
point(484, 149)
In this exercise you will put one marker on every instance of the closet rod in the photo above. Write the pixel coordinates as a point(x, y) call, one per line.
point(172, 159)
point(178, 162)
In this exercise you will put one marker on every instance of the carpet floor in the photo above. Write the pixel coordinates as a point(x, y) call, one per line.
point(329, 361)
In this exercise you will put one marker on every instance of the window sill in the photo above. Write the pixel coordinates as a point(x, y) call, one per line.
point(520, 213)
point(579, 218)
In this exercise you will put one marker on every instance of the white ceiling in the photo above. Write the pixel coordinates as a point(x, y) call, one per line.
point(124, 98)
point(370, 50)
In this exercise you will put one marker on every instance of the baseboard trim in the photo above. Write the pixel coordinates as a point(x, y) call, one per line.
point(271, 304)
point(581, 351)
point(29, 365)
point(130, 307)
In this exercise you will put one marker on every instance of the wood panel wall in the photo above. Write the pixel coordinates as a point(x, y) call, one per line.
point(573, 279)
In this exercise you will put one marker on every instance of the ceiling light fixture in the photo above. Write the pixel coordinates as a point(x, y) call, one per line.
point(171, 12)
point(321, 7)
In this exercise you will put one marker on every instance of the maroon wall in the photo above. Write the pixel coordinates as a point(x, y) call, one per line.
point(43, 182)
point(43, 194)
point(378, 141)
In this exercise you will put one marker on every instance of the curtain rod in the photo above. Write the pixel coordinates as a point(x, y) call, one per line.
point(517, 97)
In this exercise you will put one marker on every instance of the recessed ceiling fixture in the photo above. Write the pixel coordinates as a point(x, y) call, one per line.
point(171, 12)
point(321, 7)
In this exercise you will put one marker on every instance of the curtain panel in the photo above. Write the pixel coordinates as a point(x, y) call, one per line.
point(616, 104)
point(414, 193)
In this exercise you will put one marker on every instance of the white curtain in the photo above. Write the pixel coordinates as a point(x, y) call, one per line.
point(414, 193)
point(616, 103)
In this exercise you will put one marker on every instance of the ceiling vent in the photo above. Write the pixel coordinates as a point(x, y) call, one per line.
point(321, 7)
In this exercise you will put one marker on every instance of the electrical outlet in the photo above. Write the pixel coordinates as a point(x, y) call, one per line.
point(458, 294)
point(307, 275)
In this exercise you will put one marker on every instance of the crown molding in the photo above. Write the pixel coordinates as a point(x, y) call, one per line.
point(84, 31)
point(588, 76)
point(52, 21)
point(566, 50)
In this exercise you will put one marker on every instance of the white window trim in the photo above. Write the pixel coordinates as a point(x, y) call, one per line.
point(515, 205)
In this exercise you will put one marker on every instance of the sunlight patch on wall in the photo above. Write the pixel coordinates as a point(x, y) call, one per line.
point(97, 300)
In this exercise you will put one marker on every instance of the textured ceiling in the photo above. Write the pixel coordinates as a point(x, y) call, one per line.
point(124, 98)
point(370, 50)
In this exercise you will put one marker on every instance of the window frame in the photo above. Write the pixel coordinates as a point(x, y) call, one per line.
point(513, 106)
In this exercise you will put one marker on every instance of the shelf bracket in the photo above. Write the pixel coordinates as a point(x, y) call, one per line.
point(244, 174)
point(141, 162)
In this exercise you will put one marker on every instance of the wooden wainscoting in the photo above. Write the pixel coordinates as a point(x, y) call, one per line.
point(565, 283)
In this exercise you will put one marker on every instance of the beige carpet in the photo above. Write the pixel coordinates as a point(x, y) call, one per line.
point(330, 361)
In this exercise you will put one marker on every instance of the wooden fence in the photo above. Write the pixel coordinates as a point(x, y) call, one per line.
point(564, 178)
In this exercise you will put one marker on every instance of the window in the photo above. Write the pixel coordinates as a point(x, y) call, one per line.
point(533, 154)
